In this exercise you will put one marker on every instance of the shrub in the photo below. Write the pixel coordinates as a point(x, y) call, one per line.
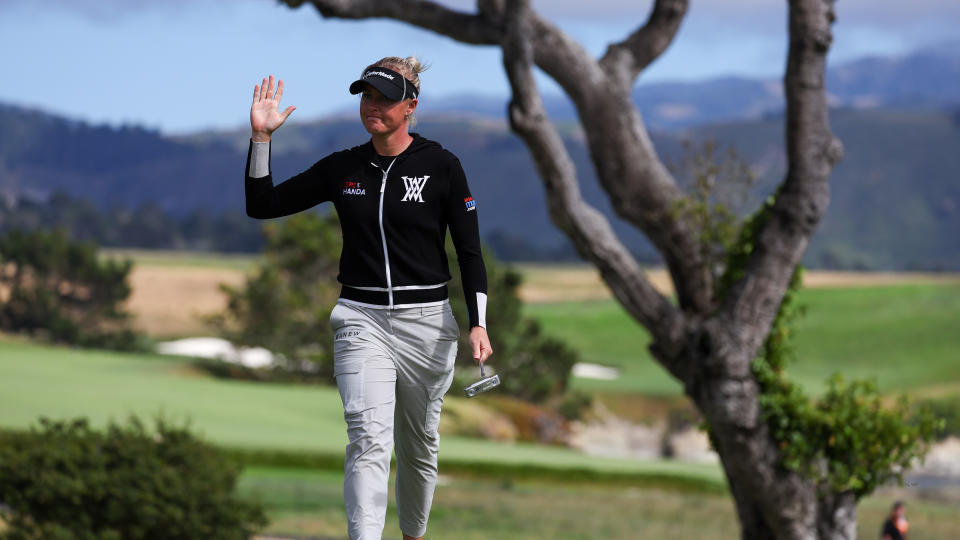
point(285, 303)
point(65, 480)
point(55, 288)
point(946, 410)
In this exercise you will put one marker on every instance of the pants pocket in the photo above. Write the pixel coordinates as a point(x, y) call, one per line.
point(439, 321)
point(450, 324)
point(364, 370)
point(350, 385)
point(368, 386)
point(336, 317)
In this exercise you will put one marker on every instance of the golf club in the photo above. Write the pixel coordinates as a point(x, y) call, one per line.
point(485, 383)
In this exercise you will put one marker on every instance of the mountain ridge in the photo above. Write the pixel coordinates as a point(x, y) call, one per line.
point(895, 195)
point(926, 78)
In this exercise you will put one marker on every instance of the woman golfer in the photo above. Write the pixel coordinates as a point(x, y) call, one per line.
point(395, 338)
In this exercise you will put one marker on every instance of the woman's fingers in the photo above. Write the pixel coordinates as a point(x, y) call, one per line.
point(265, 90)
point(270, 89)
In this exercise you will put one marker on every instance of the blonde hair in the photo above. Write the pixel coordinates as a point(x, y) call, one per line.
point(410, 67)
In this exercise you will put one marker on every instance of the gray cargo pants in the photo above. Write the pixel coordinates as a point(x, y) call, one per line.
point(393, 367)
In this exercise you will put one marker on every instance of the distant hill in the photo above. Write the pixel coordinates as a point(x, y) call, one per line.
point(895, 197)
point(926, 79)
point(41, 153)
point(129, 167)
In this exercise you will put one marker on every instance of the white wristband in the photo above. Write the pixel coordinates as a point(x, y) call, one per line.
point(259, 160)
point(482, 309)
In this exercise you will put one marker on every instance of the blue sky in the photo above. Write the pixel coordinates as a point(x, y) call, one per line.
point(185, 65)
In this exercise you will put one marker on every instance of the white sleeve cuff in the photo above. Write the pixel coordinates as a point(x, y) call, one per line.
point(259, 160)
point(482, 309)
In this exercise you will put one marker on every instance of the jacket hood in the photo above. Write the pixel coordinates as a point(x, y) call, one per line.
point(419, 144)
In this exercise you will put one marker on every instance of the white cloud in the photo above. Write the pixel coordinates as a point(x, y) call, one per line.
point(111, 10)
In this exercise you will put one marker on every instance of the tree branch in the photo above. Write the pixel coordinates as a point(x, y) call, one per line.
point(812, 150)
point(624, 61)
point(641, 189)
point(584, 225)
point(480, 29)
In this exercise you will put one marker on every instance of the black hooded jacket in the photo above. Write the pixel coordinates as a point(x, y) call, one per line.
point(394, 214)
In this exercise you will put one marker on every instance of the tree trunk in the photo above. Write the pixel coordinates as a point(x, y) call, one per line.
point(837, 516)
point(771, 501)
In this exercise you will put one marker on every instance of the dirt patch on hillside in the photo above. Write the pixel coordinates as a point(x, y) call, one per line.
point(821, 279)
point(546, 284)
point(168, 301)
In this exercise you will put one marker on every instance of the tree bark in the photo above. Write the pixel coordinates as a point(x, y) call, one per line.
point(706, 345)
point(837, 513)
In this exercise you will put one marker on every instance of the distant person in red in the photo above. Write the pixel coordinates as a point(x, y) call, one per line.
point(895, 527)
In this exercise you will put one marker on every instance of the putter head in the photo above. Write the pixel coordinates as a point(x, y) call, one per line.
point(482, 385)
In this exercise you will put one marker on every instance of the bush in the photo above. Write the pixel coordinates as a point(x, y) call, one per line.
point(285, 303)
point(55, 288)
point(66, 480)
point(946, 410)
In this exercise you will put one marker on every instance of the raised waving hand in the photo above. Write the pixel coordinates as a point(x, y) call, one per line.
point(265, 115)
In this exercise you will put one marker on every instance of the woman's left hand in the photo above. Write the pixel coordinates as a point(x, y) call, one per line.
point(481, 344)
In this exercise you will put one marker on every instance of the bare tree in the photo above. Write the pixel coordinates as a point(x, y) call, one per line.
point(704, 341)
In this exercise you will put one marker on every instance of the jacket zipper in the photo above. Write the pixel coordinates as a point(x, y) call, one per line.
point(383, 236)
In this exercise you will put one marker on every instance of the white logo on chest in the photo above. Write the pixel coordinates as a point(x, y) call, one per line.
point(414, 187)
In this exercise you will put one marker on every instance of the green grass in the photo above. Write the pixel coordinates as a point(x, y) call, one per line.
point(309, 503)
point(907, 337)
point(604, 334)
point(60, 382)
point(904, 336)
